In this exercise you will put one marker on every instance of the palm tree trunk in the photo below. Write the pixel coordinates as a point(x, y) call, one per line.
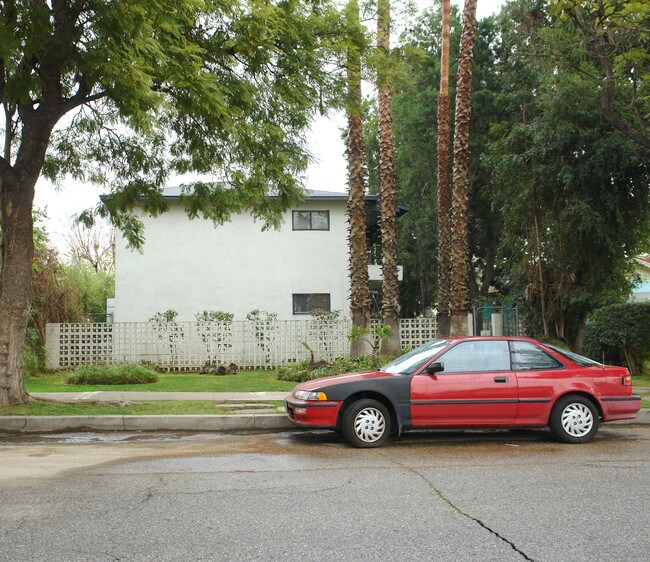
point(459, 205)
point(359, 293)
point(387, 188)
point(444, 188)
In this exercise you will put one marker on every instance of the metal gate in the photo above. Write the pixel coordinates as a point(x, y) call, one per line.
point(495, 320)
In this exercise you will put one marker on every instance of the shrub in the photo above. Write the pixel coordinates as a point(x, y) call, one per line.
point(307, 370)
point(108, 374)
point(621, 334)
point(33, 354)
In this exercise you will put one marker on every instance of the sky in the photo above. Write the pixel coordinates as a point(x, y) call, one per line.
point(327, 171)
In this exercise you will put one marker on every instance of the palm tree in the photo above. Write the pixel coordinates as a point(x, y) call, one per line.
point(359, 293)
point(444, 188)
point(459, 304)
point(387, 187)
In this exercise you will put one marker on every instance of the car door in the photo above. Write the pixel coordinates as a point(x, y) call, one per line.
point(476, 387)
point(540, 377)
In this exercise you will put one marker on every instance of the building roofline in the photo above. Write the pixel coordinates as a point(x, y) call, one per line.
point(174, 193)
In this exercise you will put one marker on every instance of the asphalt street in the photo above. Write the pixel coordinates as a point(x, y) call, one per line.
point(308, 496)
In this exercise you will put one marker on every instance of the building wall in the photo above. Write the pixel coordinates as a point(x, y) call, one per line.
point(191, 265)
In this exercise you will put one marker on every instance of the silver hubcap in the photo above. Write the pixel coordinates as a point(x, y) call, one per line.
point(577, 420)
point(369, 425)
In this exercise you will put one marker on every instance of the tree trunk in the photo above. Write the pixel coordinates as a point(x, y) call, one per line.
point(15, 285)
point(444, 190)
point(387, 188)
point(359, 293)
point(459, 303)
point(17, 236)
point(542, 292)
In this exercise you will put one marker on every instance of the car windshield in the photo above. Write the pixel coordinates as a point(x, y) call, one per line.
point(409, 363)
point(574, 357)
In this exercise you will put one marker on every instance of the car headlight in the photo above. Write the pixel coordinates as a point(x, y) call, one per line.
point(306, 395)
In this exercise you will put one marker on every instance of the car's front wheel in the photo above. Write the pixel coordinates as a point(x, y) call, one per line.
point(366, 423)
point(574, 419)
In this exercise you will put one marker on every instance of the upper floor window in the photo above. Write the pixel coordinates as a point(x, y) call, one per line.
point(306, 303)
point(311, 220)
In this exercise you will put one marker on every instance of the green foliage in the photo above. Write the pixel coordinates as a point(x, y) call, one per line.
point(214, 316)
point(571, 192)
point(92, 287)
point(216, 87)
point(376, 332)
point(372, 335)
point(163, 317)
point(261, 316)
point(620, 333)
point(34, 355)
point(613, 39)
point(414, 117)
point(305, 371)
point(111, 375)
point(326, 315)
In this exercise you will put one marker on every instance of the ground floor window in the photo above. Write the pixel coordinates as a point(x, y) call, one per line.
point(306, 303)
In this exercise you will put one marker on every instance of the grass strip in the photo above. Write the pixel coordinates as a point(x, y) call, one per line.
point(159, 407)
point(245, 381)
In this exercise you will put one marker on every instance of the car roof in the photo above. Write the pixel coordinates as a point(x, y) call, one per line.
point(481, 338)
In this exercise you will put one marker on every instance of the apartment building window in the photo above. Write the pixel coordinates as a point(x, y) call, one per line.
point(306, 303)
point(311, 220)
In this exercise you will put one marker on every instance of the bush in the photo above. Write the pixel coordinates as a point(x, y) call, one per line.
point(620, 334)
point(33, 354)
point(307, 370)
point(108, 374)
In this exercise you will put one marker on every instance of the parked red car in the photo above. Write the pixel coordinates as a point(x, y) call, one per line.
point(469, 382)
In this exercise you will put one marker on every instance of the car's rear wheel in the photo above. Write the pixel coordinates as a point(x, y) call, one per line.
point(366, 423)
point(574, 419)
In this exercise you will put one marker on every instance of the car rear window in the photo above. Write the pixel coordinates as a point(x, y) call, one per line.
point(575, 358)
point(527, 356)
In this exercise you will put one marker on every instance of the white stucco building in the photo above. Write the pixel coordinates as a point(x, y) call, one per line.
point(192, 265)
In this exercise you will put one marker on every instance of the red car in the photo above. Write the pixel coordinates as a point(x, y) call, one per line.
point(469, 382)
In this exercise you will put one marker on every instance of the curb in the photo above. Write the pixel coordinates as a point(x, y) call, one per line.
point(44, 424)
point(261, 422)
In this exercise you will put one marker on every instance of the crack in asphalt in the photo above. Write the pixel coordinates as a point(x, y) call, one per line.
point(150, 493)
point(458, 510)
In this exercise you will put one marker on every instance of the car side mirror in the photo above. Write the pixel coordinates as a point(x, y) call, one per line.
point(433, 368)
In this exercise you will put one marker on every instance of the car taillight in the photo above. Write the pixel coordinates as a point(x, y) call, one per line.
point(627, 381)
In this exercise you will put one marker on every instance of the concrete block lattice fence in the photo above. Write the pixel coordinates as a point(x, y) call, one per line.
point(189, 346)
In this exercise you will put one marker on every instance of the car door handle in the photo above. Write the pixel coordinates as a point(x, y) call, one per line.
point(500, 379)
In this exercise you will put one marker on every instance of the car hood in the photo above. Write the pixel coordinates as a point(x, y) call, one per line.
point(318, 384)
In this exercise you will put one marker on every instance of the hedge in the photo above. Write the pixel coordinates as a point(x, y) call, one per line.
point(620, 334)
point(108, 374)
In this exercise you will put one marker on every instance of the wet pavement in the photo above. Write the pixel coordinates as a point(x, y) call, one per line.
point(306, 495)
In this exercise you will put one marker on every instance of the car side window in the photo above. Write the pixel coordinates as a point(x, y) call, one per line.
point(477, 356)
point(527, 356)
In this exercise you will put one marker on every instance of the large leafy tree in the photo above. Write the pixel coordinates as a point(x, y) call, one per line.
point(613, 42)
point(126, 93)
point(572, 191)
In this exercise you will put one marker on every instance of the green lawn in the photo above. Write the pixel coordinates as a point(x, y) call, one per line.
point(159, 407)
point(641, 380)
point(40, 408)
point(246, 381)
